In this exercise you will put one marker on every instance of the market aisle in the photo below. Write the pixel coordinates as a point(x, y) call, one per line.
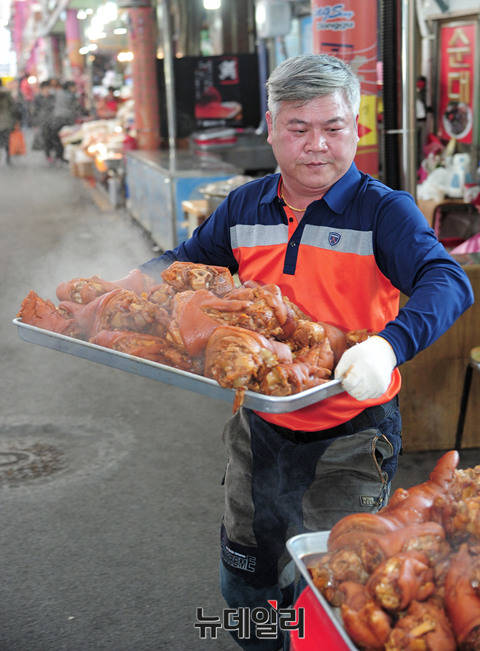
point(110, 484)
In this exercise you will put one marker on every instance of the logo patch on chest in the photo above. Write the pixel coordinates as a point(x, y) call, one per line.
point(334, 238)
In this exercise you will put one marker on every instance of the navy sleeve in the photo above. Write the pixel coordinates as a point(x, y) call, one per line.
point(410, 255)
point(209, 244)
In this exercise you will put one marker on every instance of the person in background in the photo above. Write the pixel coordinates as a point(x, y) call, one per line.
point(55, 84)
point(25, 100)
point(66, 110)
point(8, 118)
point(43, 103)
point(421, 112)
point(107, 106)
point(112, 101)
point(342, 246)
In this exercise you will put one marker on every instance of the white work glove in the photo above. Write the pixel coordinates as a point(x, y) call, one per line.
point(366, 369)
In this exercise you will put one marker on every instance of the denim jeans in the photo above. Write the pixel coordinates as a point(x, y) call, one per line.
point(277, 486)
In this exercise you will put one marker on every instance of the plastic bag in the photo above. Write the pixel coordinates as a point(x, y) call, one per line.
point(472, 245)
point(16, 143)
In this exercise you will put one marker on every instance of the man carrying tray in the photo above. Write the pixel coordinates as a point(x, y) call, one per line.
point(342, 246)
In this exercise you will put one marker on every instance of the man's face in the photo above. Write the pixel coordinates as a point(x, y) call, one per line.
point(314, 142)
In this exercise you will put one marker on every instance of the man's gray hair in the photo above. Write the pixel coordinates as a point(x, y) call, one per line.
point(308, 76)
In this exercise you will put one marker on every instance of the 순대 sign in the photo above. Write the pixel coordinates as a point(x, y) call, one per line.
point(457, 52)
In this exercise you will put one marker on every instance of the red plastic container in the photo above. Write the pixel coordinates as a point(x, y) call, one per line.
point(320, 632)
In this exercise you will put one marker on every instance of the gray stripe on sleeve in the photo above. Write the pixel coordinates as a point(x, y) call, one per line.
point(242, 235)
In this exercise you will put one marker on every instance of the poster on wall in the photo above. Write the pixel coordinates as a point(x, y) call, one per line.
point(217, 90)
point(213, 91)
point(457, 54)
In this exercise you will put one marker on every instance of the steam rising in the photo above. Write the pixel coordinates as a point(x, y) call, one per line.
point(55, 232)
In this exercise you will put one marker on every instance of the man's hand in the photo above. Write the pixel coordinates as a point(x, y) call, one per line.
point(366, 368)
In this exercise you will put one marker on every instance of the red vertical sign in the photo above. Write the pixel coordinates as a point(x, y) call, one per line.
point(348, 30)
point(456, 81)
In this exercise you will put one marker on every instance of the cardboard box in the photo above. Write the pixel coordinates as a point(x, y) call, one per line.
point(72, 166)
point(85, 169)
point(427, 206)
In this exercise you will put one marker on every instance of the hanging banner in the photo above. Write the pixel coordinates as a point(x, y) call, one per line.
point(457, 56)
point(348, 30)
point(73, 42)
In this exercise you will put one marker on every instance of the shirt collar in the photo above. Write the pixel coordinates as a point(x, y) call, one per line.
point(271, 191)
point(341, 193)
point(337, 197)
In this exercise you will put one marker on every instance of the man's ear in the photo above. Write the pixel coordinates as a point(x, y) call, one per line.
point(269, 119)
point(356, 127)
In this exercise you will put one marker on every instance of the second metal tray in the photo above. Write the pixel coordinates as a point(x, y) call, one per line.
point(171, 375)
point(300, 548)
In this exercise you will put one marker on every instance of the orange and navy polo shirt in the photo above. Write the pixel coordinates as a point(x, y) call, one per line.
point(345, 262)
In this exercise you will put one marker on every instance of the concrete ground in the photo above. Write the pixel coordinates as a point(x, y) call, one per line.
point(110, 483)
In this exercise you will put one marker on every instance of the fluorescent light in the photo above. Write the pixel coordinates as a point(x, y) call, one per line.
point(94, 34)
point(123, 57)
point(212, 4)
point(120, 30)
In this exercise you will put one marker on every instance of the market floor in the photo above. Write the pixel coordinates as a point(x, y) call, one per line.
point(110, 483)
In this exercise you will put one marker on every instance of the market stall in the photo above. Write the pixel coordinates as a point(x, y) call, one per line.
point(95, 150)
point(159, 181)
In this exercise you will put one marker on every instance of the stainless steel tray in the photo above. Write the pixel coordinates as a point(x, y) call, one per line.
point(170, 375)
point(299, 548)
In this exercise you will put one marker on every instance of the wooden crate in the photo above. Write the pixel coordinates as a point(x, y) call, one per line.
point(195, 211)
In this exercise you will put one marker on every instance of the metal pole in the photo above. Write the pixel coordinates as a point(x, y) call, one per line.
point(262, 79)
point(169, 77)
point(408, 98)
